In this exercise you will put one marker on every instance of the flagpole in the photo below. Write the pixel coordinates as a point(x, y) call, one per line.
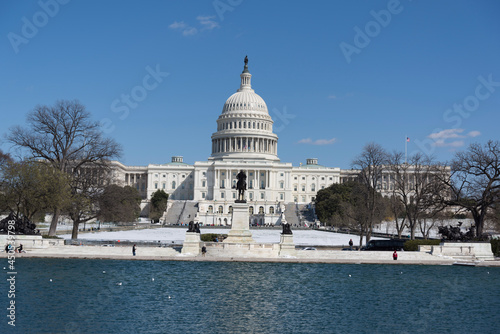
point(406, 148)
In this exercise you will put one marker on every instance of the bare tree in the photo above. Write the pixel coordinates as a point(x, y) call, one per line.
point(371, 162)
point(87, 186)
point(416, 184)
point(398, 211)
point(67, 137)
point(474, 181)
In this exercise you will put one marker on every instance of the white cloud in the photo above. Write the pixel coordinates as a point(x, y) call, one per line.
point(455, 135)
point(189, 31)
point(448, 133)
point(318, 141)
point(305, 141)
point(207, 22)
point(178, 25)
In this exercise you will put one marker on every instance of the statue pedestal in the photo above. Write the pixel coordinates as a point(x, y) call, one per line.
point(240, 230)
point(287, 247)
point(464, 250)
point(191, 244)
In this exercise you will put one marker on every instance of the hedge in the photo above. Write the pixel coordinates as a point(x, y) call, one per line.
point(210, 237)
point(412, 245)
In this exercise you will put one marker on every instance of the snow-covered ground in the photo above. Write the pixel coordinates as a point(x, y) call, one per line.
point(176, 235)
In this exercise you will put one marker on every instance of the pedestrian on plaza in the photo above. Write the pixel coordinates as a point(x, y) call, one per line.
point(203, 251)
point(133, 249)
point(350, 244)
point(395, 255)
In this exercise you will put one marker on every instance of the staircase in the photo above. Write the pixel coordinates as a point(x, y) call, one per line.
point(181, 212)
point(291, 214)
point(189, 212)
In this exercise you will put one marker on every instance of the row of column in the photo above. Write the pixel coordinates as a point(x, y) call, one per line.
point(244, 144)
point(226, 179)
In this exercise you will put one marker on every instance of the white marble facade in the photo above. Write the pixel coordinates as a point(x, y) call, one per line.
point(244, 140)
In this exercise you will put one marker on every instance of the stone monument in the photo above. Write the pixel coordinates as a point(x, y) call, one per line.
point(192, 241)
point(240, 230)
point(287, 247)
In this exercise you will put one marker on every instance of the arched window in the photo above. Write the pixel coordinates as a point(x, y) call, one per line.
point(271, 210)
point(313, 187)
point(250, 210)
point(210, 209)
point(230, 209)
point(261, 210)
point(173, 184)
point(221, 209)
point(282, 184)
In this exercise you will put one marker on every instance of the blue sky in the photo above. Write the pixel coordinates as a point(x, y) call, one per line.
point(335, 75)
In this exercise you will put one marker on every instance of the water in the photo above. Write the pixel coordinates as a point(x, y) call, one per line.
point(221, 297)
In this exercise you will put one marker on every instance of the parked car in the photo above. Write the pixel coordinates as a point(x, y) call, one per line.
point(384, 245)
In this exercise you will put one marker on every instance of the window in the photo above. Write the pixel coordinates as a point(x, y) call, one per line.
point(282, 184)
point(261, 210)
point(163, 185)
point(303, 178)
point(234, 195)
point(295, 178)
point(182, 186)
point(221, 209)
point(323, 178)
point(173, 184)
point(271, 210)
point(261, 195)
point(303, 188)
point(262, 185)
point(202, 195)
point(282, 196)
point(156, 175)
point(313, 187)
point(203, 183)
point(250, 210)
point(250, 195)
point(230, 209)
point(156, 185)
point(294, 187)
point(221, 195)
point(164, 175)
point(204, 174)
point(281, 174)
point(183, 176)
point(210, 209)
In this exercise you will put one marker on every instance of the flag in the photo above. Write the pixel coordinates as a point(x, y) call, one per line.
point(408, 139)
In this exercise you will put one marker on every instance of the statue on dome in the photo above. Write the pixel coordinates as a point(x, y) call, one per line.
point(246, 60)
point(241, 186)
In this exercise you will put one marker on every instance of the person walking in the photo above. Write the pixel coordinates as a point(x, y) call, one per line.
point(395, 255)
point(203, 251)
point(350, 244)
point(133, 250)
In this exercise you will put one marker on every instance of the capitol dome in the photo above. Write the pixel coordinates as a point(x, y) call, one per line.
point(245, 128)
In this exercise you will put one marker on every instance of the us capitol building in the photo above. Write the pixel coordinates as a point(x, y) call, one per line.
point(244, 140)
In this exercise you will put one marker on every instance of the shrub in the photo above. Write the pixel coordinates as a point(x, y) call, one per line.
point(495, 246)
point(210, 237)
point(412, 245)
point(46, 236)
